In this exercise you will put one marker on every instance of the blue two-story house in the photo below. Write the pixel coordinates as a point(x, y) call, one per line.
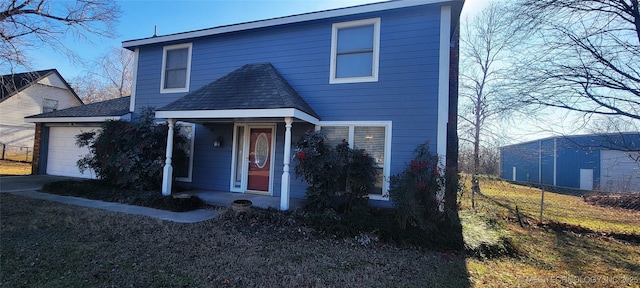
point(376, 75)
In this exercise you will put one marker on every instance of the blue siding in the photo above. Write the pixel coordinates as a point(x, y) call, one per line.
point(572, 154)
point(406, 92)
point(547, 156)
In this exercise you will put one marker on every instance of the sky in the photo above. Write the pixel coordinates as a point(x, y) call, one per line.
point(139, 17)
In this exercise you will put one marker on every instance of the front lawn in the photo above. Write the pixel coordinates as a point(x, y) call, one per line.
point(48, 244)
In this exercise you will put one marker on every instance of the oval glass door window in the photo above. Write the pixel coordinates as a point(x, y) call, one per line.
point(262, 150)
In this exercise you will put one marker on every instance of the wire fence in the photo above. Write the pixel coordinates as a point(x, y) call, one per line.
point(16, 153)
point(531, 204)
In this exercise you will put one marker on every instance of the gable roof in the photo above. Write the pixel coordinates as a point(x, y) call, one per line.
point(366, 8)
point(93, 112)
point(252, 86)
point(12, 84)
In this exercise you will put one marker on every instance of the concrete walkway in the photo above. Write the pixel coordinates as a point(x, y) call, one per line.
point(28, 186)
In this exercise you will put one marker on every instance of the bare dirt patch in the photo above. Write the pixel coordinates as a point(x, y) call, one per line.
point(623, 201)
point(14, 168)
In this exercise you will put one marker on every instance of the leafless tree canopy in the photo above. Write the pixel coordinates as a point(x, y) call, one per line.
point(28, 24)
point(111, 78)
point(487, 44)
point(582, 55)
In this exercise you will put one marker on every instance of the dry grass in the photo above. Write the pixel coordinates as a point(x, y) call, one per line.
point(14, 168)
point(502, 197)
point(556, 258)
point(46, 244)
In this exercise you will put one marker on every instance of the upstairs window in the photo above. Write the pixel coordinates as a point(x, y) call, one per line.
point(354, 51)
point(49, 105)
point(176, 68)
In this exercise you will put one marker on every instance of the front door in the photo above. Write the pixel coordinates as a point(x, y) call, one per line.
point(259, 159)
point(252, 160)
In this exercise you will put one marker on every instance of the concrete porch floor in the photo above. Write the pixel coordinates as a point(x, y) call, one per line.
point(221, 198)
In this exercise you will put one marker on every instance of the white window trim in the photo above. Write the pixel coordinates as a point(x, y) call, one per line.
point(376, 51)
point(189, 177)
point(387, 148)
point(245, 175)
point(188, 76)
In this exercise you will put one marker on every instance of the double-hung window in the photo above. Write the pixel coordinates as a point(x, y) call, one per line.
point(374, 138)
point(354, 51)
point(176, 68)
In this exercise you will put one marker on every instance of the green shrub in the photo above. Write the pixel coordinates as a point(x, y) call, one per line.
point(129, 154)
point(99, 190)
point(415, 191)
point(339, 177)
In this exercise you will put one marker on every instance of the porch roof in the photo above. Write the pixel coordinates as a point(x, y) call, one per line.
point(252, 91)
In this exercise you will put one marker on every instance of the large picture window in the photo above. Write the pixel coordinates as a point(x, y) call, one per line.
point(176, 67)
point(373, 137)
point(354, 51)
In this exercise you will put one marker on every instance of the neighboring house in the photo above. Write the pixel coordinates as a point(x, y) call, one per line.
point(381, 76)
point(604, 162)
point(26, 94)
point(55, 150)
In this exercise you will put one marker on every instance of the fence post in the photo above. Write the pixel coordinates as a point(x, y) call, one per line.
point(4, 146)
point(541, 204)
point(26, 156)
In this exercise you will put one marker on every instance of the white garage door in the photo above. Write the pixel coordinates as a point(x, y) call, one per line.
point(619, 172)
point(63, 152)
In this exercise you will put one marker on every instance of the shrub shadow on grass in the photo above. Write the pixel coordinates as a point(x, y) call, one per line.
point(98, 190)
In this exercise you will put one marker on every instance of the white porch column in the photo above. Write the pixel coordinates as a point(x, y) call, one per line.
point(167, 172)
point(284, 189)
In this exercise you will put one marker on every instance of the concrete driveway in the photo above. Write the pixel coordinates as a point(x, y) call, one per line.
point(27, 182)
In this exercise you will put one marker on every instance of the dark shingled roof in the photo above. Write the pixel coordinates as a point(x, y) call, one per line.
point(113, 107)
point(252, 86)
point(11, 84)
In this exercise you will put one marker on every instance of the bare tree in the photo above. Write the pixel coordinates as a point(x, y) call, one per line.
point(29, 24)
point(486, 43)
point(582, 55)
point(117, 69)
point(112, 77)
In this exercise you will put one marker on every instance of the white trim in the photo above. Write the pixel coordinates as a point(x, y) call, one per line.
point(246, 147)
point(234, 160)
point(285, 183)
point(188, 74)
point(386, 170)
point(167, 171)
point(76, 119)
point(443, 80)
point(239, 113)
point(132, 100)
point(334, 49)
point(282, 21)
point(189, 177)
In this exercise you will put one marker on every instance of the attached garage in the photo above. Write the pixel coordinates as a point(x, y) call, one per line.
point(63, 153)
point(55, 152)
